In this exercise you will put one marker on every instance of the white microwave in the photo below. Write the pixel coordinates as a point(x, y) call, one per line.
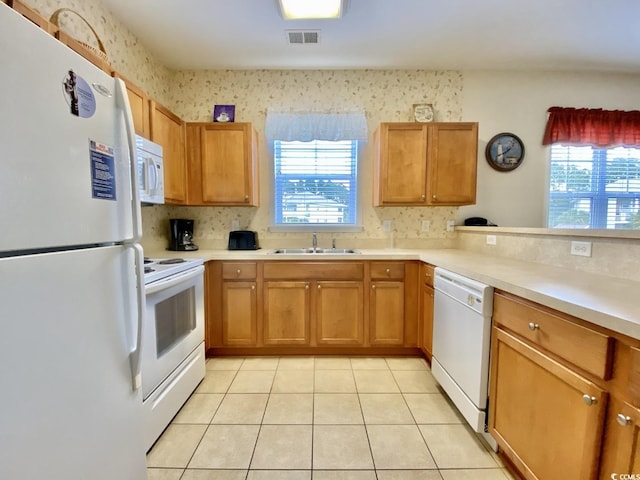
point(150, 171)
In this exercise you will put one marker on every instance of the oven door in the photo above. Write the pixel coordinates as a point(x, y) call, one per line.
point(173, 325)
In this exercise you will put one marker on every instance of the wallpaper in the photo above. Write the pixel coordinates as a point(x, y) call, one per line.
point(384, 95)
point(125, 53)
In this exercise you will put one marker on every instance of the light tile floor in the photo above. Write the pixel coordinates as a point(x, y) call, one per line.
point(320, 418)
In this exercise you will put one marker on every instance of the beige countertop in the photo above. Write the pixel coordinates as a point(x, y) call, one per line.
point(603, 300)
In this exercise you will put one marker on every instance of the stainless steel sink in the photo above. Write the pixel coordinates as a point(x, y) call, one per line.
point(311, 251)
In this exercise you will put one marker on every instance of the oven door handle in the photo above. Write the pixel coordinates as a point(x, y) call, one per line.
point(135, 354)
point(174, 280)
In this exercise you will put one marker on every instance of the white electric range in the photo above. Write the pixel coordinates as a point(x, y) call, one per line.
point(173, 353)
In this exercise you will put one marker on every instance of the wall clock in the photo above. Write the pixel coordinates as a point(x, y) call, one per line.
point(504, 152)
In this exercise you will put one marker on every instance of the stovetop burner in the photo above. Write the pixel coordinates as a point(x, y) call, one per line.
point(171, 261)
point(158, 268)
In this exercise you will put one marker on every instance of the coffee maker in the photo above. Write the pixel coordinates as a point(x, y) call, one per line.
point(181, 230)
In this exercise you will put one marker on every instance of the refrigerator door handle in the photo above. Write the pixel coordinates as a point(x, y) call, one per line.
point(135, 355)
point(123, 102)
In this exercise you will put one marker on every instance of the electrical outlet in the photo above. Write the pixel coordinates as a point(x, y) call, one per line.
point(491, 239)
point(582, 249)
point(426, 225)
point(386, 225)
point(235, 225)
point(450, 225)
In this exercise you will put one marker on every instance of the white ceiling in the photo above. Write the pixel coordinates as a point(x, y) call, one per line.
point(574, 35)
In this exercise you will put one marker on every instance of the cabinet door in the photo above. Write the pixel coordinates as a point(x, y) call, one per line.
point(621, 452)
point(340, 313)
point(426, 337)
point(539, 415)
point(387, 313)
point(139, 101)
point(228, 156)
point(168, 130)
point(453, 159)
point(239, 313)
point(286, 313)
point(401, 161)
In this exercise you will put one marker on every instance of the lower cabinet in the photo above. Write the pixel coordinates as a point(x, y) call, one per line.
point(386, 303)
point(312, 304)
point(621, 453)
point(547, 418)
point(340, 313)
point(286, 313)
point(425, 332)
point(564, 396)
point(239, 313)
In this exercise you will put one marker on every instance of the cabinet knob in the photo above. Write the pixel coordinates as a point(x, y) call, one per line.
point(238, 272)
point(388, 270)
point(306, 286)
point(589, 400)
point(373, 286)
point(423, 197)
point(435, 197)
point(253, 287)
point(623, 419)
point(319, 287)
point(533, 326)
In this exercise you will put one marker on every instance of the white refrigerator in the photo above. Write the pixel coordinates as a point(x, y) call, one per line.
point(71, 288)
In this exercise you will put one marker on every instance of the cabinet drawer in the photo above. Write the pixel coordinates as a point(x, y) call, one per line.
point(387, 270)
point(239, 270)
point(587, 349)
point(426, 274)
point(313, 270)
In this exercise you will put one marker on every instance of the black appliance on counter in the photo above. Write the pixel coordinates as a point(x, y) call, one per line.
point(243, 240)
point(181, 235)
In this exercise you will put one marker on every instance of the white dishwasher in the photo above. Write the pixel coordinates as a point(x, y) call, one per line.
point(461, 342)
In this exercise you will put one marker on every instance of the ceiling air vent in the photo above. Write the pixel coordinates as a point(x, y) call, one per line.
point(303, 37)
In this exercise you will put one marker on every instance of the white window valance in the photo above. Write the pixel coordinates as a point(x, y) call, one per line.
point(308, 126)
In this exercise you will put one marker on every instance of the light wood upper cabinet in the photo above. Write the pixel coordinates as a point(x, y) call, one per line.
point(139, 101)
point(452, 163)
point(425, 164)
point(400, 176)
point(168, 130)
point(223, 164)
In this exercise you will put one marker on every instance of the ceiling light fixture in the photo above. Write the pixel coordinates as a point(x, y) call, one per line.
point(305, 9)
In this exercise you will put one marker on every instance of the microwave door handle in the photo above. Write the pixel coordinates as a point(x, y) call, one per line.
point(154, 179)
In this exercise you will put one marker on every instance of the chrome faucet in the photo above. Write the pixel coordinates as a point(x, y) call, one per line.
point(314, 241)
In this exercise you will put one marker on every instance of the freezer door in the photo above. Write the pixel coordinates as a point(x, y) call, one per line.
point(64, 161)
point(67, 325)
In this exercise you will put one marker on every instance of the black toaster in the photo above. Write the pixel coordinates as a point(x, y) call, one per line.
point(243, 240)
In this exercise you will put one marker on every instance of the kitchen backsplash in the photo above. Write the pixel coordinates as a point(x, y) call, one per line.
point(616, 257)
